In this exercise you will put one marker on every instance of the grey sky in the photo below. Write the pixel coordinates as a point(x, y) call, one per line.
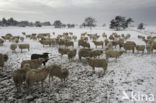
point(74, 11)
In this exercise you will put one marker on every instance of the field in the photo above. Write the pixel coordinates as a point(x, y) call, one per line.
point(131, 73)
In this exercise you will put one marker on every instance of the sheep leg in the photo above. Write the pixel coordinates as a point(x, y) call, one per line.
point(93, 69)
point(42, 85)
point(21, 50)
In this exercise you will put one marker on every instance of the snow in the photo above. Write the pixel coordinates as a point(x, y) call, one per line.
point(132, 72)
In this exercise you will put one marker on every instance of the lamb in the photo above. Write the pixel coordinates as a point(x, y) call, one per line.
point(57, 71)
point(84, 53)
point(130, 45)
point(19, 76)
point(24, 46)
point(71, 54)
point(98, 43)
point(140, 48)
point(34, 64)
point(97, 63)
point(44, 56)
point(13, 47)
point(113, 54)
point(36, 75)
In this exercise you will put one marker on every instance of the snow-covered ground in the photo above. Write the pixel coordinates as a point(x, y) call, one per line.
point(132, 73)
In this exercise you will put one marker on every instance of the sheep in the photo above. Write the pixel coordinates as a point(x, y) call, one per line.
point(71, 54)
point(113, 54)
point(95, 53)
point(106, 42)
point(109, 46)
point(19, 75)
point(84, 53)
point(3, 59)
point(153, 45)
point(63, 51)
point(115, 43)
point(37, 56)
point(130, 45)
point(111, 37)
point(13, 47)
point(36, 75)
point(121, 43)
point(69, 43)
point(148, 48)
point(83, 44)
point(98, 43)
point(74, 37)
point(1, 42)
point(24, 46)
point(104, 35)
point(97, 63)
point(140, 48)
point(45, 42)
point(34, 64)
point(58, 71)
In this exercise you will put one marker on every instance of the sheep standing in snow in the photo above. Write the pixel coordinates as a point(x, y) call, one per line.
point(98, 43)
point(109, 46)
point(140, 48)
point(34, 64)
point(84, 53)
point(113, 54)
point(130, 45)
point(106, 42)
point(24, 46)
point(13, 47)
point(69, 43)
point(148, 48)
point(83, 43)
point(153, 46)
point(97, 63)
point(19, 76)
point(95, 53)
point(1, 42)
point(36, 75)
point(44, 56)
point(3, 59)
point(63, 51)
point(71, 54)
point(21, 38)
point(57, 71)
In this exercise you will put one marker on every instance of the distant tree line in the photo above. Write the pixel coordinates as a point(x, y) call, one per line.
point(13, 22)
point(118, 23)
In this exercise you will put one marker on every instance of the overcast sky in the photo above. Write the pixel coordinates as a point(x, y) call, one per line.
point(74, 11)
